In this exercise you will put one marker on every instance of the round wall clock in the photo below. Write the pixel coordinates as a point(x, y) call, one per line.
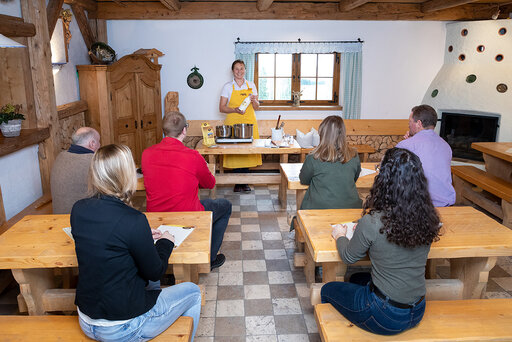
point(195, 79)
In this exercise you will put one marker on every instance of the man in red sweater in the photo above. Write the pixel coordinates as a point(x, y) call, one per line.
point(173, 174)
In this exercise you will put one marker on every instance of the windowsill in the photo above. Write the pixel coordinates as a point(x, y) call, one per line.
point(265, 108)
point(27, 137)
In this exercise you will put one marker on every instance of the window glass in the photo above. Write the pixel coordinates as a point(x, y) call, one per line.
point(266, 88)
point(283, 88)
point(308, 65)
point(325, 65)
point(324, 91)
point(308, 87)
point(283, 65)
point(266, 65)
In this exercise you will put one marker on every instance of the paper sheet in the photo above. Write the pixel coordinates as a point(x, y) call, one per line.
point(67, 230)
point(180, 233)
point(366, 172)
point(350, 228)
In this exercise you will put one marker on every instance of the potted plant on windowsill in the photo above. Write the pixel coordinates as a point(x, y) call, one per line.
point(10, 119)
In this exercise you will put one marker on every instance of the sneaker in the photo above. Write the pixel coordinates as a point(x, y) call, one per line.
point(237, 188)
point(246, 188)
point(218, 262)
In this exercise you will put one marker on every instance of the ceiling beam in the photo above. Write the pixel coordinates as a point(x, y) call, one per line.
point(16, 27)
point(89, 5)
point(83, 25)
point(436, 5)
point(173, 5)
point(287, 11)
point(348, 5)
point(263, 5)
point(53, 10)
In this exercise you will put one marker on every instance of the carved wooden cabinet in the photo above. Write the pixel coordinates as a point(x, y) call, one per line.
point(124, 101)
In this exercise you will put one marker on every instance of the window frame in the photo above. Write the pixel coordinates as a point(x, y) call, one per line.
point(296, 77)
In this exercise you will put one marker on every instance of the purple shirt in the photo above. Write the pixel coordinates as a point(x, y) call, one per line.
point(436, 156)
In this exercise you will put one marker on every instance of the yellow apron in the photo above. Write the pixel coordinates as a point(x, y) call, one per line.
point(242, 160)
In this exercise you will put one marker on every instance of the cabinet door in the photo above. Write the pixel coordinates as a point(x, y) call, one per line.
point(125, 116)
point(150, 108)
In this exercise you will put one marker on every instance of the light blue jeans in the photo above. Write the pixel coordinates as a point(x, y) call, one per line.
point(179, 300)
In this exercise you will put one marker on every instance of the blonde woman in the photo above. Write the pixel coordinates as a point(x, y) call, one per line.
point(118, 293)
point(331, 170)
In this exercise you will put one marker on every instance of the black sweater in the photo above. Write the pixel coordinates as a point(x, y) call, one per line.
point(116, 257)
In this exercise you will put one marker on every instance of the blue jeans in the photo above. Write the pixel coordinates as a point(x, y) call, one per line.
point(221, 209)
point(363, 308)
point(179, 300)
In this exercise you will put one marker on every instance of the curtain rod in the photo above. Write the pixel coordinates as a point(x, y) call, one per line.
point(300, 41)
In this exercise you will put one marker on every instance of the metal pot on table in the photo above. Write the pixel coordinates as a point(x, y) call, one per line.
point(223, 131)
point(243, 131)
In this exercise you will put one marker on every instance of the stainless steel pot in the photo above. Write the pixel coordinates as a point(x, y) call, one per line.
point(223, 131)
point(243, 131)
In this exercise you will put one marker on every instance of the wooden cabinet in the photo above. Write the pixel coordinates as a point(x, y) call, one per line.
point(124, 100)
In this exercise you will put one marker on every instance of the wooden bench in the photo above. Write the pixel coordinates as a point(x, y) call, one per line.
point(458, 320)
point(66, 328)
point(496, 196)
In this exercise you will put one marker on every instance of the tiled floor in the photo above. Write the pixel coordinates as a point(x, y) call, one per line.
point(258, 295)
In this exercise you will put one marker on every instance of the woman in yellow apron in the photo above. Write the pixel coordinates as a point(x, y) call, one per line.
point(232, 96)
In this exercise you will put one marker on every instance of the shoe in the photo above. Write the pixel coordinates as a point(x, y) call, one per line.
point(218, 262)
point(246, 188)
point(237, 188)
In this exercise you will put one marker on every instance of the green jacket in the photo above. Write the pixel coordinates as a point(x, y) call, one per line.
point(331, 185)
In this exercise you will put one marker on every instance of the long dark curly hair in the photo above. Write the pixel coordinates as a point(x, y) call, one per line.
point(400, 193)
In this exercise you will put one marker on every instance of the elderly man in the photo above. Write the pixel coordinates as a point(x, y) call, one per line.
point(173, 174)
point(71, 169)
point(435, 154)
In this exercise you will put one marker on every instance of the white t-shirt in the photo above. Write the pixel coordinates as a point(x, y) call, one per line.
point(227, 89)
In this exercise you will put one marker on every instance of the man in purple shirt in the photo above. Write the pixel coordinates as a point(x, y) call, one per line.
point(435, 154)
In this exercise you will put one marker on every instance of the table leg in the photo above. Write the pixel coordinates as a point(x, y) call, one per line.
point(333, 271)
point(283, 188)
point(474, 273)
point(507, 213)
point(212, 160)
point(299, 238)
point(299, 197)
point(309, 267)
point(283, 158)
point(185, 272)
point(498, 167)
point(33, 284)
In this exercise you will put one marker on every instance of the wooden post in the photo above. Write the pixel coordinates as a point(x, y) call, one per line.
point(34, 11)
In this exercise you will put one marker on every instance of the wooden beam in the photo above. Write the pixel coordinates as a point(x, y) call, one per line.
point(263, 5)
point(89, 5)
point(83, 25)
point(16, 27)
point(436, 5)
point(52, 13)
point(288, 11)
point(26, 138)
point(72, 108)
point(173, 5)
point(34, 11)
point(348, 5)
point(99, 30)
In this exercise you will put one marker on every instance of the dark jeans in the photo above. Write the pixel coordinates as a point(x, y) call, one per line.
point(241, 170)
point(363, 308)
point(221, 209)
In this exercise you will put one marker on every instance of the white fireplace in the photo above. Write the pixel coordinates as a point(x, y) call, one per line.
point(476, 77)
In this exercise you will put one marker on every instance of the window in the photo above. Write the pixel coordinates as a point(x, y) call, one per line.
point(316, 75)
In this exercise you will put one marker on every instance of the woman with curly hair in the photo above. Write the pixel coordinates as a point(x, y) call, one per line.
point(331, 170)
point(398, 225)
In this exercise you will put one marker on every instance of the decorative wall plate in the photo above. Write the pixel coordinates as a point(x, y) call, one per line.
point(195, 79)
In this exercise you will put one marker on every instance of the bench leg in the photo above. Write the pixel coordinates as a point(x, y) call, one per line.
point(474, 273)
point(33, 284)
point(507, 213)
point(333, 271)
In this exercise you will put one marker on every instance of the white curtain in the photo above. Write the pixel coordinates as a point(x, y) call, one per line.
point(351, 76)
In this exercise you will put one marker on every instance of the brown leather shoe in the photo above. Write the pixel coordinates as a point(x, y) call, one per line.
point(237, 188)
point(246, 188)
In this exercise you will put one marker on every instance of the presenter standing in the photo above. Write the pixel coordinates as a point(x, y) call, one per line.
point(232, 96)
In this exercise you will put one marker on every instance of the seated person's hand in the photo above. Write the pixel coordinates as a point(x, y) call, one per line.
point(157, 234)
point(407, 135)
point(168, 236)
point(339, 230)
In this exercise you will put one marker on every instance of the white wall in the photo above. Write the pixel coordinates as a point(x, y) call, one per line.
point(400, 58)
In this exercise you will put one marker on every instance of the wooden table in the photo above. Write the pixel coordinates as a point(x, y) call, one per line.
point(362, 149)
point(498, 158)
point(471, 240)
point(34, 246)
point(290, 181)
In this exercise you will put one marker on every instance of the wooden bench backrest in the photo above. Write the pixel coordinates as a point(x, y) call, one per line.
point(66, 328)
point(457, 320)
point(354, 127)
point(482, 179)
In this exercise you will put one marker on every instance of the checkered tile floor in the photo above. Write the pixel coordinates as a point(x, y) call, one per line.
point(258, 295)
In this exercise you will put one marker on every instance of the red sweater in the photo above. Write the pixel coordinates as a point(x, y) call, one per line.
point(173, 174)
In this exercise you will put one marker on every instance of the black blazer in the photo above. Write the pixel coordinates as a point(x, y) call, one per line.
point(116, 257)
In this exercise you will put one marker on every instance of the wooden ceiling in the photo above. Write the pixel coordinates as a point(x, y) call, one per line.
point(297, 9)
